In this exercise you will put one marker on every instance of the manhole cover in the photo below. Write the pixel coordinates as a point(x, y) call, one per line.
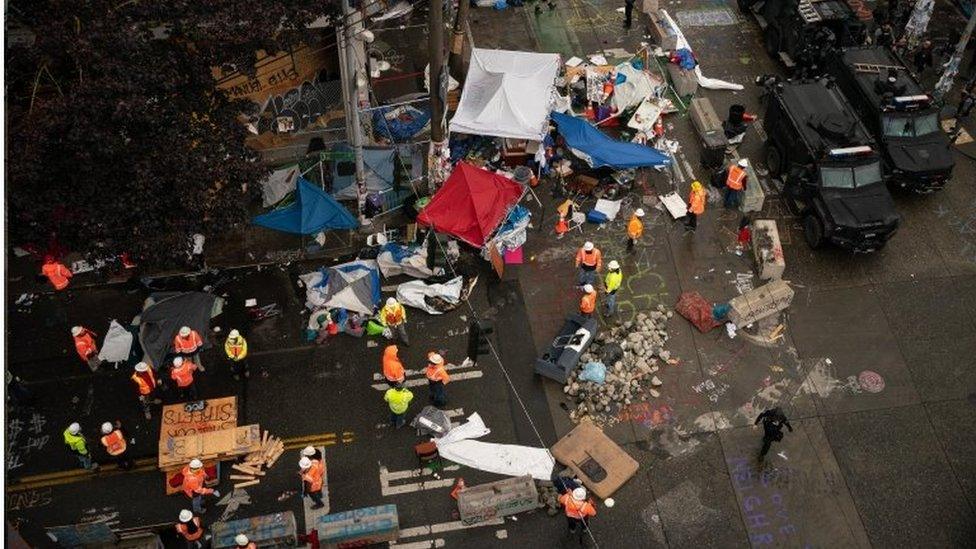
point(706, 18)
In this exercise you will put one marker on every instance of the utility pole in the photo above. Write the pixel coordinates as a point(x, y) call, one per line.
point(437, 162)
point(354, 73)
point(457, 40)
point(952, 67)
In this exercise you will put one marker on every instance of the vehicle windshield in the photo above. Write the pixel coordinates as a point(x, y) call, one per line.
point(910, 125)
point(850, 177)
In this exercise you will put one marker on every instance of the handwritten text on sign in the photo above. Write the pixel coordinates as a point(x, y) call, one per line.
point(191, 418)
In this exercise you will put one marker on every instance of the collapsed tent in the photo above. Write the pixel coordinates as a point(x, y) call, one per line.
point(682, 43)
point(166, 312)
point(400, 123)
point(354, 286)
point(503, 459)
point(633, 86)
point(277, 185)
point(599, 149)
point(434, 298)
point(471, 204)
point(507, 94)
point(395, 259)
point(313, 211)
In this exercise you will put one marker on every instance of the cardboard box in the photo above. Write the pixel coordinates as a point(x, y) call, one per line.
point(275, 530)
point(497, 499)
point(761, 302)
point(359, 527)
point(767, 250)
point(597, 461)
point(685, 82)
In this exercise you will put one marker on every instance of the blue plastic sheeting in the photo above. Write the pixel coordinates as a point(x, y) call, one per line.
point(686, 59)
point(398, 252)
point(598, 149)
point(378, 173)
point(516, 216)
point(400, 123)
point(374, 278)
point(313, 211)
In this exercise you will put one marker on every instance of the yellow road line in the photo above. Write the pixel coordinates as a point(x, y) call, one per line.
point(60, 478)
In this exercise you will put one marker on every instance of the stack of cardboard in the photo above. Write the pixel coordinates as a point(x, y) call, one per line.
point(215, 445)
point(263, 458)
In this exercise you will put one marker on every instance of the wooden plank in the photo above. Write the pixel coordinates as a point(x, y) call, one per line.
point(214, 445)
point(243, 468)
point(242, 477)
point(246, 484)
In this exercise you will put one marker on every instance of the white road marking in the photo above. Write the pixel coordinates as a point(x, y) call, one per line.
point(452, 413)
point(411, 373)
point(445, 527)
point(423, 380)
point(387, 477)
point(439, 542)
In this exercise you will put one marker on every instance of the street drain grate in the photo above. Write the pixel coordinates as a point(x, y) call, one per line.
point(706, 18)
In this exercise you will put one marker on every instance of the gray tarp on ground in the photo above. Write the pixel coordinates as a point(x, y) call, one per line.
point(117, 344)
point(164, 315)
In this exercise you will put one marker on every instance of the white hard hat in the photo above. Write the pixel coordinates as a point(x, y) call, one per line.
point(106, 428)
point(241, 540)
point(587, 246)
point(743, 162)
point(391, 301)
point(588, 288)
point(308, 451)
point(304, 463)
point(74, 428)
point(234, 334)
point(77, 331)
point(186, 515)
point(435, 358)
point(639, 212)
point(613, 265)
point(185, 331)
point(178, 361)
point(579, 494)
point(196, 464)
point(142, 367)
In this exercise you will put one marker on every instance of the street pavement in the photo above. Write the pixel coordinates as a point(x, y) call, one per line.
point(876, 369)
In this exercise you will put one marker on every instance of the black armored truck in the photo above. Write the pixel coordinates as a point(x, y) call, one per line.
point(903, 119)
point(830, 171)
point(804, 34)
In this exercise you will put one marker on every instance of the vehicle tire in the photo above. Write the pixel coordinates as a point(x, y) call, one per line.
point(813, 231)
point(774, 161)
point(772, 41)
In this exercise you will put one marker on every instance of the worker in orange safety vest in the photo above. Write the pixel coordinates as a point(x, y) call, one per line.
point(312, 473)
point(191, 529)
point(189, 343)
point(635, 229)
point(696, 205)
point(145, 381)
point(392, 367)
point(86, 346)
point(113, 439)
point(57, 274)
point(589, 260)
point(182, 374)
point(735, 183)
point(437, 378)
point(578, 510)
point(194, 477)
point(588, 301)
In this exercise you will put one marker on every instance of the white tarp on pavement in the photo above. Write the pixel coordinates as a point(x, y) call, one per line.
point(507, 94)
point(703, 81)
point(416, 293)
point(117, 344)
point(503, 459)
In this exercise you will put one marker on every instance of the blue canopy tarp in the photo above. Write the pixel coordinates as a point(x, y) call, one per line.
point(598, 149)
point(313, 211)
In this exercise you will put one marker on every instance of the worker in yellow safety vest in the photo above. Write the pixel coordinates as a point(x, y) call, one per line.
point(696, 205)
point(236, 350)
point(612, 283)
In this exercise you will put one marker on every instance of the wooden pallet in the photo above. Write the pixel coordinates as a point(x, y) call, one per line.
point(215, 445)
point(253, 467)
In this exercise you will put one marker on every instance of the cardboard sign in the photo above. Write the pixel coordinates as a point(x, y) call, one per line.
point(226, 444)
point(190, 418)
point(597, 461)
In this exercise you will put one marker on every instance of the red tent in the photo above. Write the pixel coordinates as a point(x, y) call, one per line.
point(471, 204)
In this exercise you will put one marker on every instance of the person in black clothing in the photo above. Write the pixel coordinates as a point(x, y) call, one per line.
point(628, 11)
point(773, 422)
point(923, 57)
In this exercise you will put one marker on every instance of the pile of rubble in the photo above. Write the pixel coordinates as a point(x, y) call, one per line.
point(632, 353)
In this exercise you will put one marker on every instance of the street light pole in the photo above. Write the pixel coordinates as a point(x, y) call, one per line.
point(952, 67)
point(437, 163)
point(456, 59)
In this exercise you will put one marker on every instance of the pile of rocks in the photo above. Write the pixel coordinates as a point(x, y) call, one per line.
point(632, 353)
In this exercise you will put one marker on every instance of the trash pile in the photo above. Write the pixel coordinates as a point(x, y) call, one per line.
point(619, 367)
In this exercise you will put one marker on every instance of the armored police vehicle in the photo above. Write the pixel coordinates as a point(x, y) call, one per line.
point(825, 157)
point(903, 119)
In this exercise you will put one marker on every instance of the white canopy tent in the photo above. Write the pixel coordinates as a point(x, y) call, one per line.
point(507, 94)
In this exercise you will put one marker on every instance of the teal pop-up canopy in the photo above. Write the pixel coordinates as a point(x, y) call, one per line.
point(312, 211)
